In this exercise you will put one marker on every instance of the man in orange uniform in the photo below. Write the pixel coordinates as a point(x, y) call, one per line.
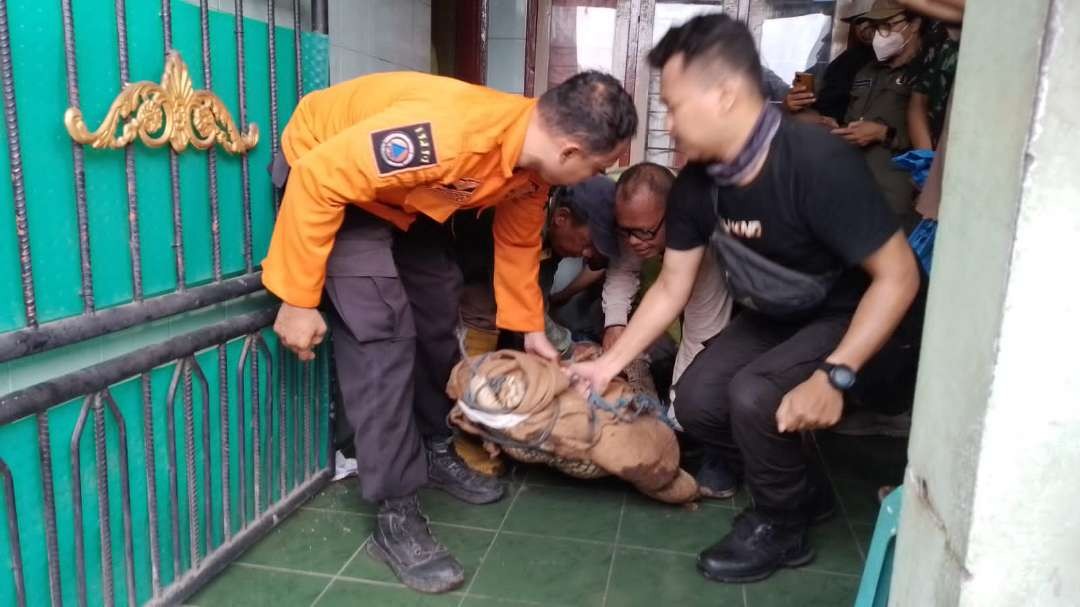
point(372, 168)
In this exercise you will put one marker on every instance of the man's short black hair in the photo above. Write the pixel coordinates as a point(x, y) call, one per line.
point(715, 38)
point(593, 108)
point(654, 177)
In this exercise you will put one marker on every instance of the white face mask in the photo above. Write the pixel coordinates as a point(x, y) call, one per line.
point(888, 46)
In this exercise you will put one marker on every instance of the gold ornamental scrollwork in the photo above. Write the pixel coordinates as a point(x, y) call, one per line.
point(171, 113)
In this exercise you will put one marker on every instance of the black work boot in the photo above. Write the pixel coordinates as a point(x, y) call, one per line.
point(447, 471)
point(758, 544)
point(403, 541)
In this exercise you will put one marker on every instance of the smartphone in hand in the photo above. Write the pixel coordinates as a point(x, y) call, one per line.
point(805, 80)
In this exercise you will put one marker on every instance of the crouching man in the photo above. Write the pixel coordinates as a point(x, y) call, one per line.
point(811, 251)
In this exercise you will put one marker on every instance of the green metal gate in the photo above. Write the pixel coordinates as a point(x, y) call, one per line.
point(151, 427)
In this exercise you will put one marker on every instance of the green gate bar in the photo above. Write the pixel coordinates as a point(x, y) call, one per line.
point(137, 235)
point(187, 431)
point(158, 469)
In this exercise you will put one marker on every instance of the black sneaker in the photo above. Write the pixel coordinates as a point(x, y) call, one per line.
point(404, 542)
point(715, 480)
point(447, 472)
point(756, 547)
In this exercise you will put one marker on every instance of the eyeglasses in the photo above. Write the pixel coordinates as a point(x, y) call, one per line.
point(640, 233)
point(887, 27)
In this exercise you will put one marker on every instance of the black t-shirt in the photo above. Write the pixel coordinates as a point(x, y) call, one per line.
point(814, 208)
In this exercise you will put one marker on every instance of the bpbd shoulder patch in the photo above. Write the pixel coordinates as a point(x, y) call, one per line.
point(405, 148)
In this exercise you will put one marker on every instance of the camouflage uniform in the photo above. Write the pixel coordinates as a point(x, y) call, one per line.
point(937, 70)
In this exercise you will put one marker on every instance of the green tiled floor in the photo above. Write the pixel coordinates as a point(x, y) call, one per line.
point(552, 541)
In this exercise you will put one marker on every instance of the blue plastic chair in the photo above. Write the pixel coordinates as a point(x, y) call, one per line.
point(877, 573)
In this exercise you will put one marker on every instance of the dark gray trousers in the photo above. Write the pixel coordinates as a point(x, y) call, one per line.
point(393, 314)
point(393, 310)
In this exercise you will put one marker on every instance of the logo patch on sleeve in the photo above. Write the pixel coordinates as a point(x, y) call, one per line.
point(405, 148)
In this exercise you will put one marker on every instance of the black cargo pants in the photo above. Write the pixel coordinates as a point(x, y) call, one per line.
point(729, 395)
point(393, 312)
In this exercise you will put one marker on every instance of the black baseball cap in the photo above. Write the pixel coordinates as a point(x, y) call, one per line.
point(594, 201)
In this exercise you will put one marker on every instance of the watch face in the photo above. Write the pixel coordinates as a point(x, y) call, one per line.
point(842, 377)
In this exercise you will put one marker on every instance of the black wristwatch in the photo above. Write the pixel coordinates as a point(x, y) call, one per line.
point(841, 377)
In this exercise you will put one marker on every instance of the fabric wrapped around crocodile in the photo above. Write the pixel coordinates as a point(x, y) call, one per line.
point(527, 407)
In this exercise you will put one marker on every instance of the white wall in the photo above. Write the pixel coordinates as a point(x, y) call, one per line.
point(659, 147)
point(256, 9)
point(989, 515)
point(506, 45)
point(369, 36)
point(365, 35)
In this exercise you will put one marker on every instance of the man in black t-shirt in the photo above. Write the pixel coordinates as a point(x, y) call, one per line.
point(789, 195)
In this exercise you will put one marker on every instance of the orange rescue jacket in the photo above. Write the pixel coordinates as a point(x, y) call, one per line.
point(398, 144)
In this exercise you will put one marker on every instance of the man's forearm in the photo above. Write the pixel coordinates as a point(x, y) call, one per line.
point(304, 234)
point(950, 11)
point(620, 285)
point(880, 311)
point(585, 279)
point(661, 305)
point(919, 122)
point(516, 230)
point(659, 308)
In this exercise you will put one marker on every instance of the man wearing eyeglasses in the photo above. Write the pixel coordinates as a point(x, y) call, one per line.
point(640, 208)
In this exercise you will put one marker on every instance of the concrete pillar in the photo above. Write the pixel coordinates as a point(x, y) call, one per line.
point(990, 514)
